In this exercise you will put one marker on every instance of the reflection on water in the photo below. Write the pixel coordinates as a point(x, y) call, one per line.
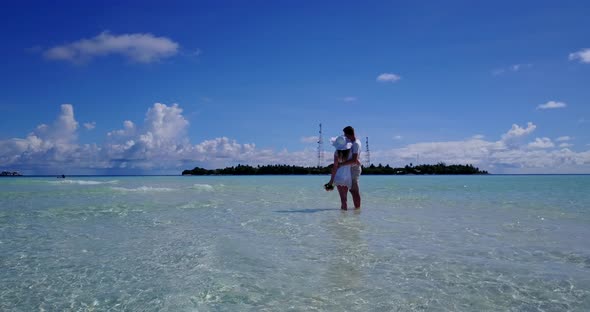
point(345, 277)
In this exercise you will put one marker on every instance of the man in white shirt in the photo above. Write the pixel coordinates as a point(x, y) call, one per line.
point(355, 167)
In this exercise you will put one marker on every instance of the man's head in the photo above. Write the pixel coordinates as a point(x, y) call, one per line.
point(349, 133)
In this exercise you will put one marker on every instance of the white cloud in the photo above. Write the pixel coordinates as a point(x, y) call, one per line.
point(563, 138)
point(141, 48)
point(310, 139)
point(552, 105)
point(349, 99)
point(496, 157)
point(165, 123)
point(541, 143)
point(511, 68)
point(514, 137)
point(160, 144)
point(388, 77)
point(499, 71)
point(224, 148)
point(162, 136)
point(478, 137)
point(129, 130)
point(62, 131)
point(563, 145)
point(517, 67)
point(46, 145)
point(462, 152)
point(90, 125)
point(397, 137)
point(583, 56)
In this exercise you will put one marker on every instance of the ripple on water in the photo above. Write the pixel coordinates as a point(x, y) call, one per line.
point(143, 189)
point(81, 182)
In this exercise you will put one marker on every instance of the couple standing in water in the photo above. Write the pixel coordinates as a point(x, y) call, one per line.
point(347, 168)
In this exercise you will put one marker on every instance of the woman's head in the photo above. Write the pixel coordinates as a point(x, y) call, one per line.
point(349, 132)
point(342, 147)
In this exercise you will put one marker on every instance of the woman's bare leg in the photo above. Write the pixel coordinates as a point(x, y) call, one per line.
point(343, 191)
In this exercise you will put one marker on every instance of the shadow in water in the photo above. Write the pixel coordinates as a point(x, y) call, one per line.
point(309, 210)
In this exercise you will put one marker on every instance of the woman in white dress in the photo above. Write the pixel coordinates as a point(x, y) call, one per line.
point(341, 175)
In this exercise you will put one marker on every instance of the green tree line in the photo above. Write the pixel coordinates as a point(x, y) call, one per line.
point(440, 168)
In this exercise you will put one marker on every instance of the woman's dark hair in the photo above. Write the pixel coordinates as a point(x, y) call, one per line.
point(348, 130)
point(343, 154)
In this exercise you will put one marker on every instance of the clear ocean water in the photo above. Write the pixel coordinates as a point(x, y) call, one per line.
point(281, 243)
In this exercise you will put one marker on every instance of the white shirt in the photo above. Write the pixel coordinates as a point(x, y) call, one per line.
point(356, 148)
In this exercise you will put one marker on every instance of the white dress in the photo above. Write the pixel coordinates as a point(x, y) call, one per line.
point(343, 175)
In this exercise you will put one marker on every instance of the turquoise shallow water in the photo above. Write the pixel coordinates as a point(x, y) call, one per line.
point(280, 243)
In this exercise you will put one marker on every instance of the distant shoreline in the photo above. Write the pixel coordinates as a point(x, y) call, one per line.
point(438, 169)
point(220, 175)
point(10, 174)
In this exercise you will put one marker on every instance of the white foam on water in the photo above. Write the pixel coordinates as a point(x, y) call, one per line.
point(82, 182)
point(143, 189)
point(199, 204)
point(202, 187)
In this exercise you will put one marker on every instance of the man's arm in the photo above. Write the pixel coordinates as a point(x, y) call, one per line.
point(353, 161)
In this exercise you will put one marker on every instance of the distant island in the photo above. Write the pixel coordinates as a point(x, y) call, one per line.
point(10, 174)
point(440, 168)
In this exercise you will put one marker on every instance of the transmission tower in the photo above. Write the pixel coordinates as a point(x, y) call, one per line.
point(320, 148)
point(368, 162)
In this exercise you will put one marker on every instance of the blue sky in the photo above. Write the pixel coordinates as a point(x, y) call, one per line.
point(139, 87)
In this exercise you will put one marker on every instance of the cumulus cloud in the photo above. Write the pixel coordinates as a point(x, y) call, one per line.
point(388, 77)
point(470, 151)
point(127, 131)
point(62, 131)
point(90, 125)
point(162, 135)
point(583, 56)
point(160, 143)
point(495, 156)
point(515, 136)
point(552, 105)
point(224, 148)
point(518, 131)
point(541, 143)
point(53, 143)
point(138, 47)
